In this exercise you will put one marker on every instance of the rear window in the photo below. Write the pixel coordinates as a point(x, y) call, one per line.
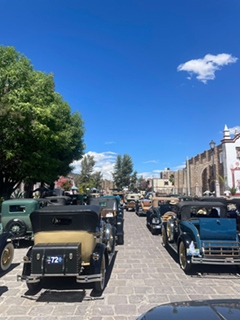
point(17, 208)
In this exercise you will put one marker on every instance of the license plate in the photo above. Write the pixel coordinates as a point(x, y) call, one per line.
point(54, 259)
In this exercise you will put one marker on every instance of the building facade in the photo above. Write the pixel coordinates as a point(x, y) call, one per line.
point(216, 170)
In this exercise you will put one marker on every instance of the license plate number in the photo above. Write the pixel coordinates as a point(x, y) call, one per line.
point(54, 260)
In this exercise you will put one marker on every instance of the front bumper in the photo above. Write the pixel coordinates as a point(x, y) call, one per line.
point(79, 278)
point(215, 261)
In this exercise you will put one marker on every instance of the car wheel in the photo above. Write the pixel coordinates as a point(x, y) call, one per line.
point(6, 256)
point(164, 237)
point(120, 239)
point(170, 231)
point(16, 227)
point(184, 261)
point(34, 288)
point(99, 285)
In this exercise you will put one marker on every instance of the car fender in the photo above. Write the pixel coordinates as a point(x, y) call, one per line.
point(186, 239)
point(4, 238)
point(119, 227)
point(96, 264)
point(189, 229)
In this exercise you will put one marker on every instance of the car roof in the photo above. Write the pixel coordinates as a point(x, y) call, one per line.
point(77, 217)
point(200, 204)
point(25, 200)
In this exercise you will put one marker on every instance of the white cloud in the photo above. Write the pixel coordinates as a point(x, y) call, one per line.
point(104, 162)
point(151, 161)
point(205, 68)
point(234, 130)
point(109, 142)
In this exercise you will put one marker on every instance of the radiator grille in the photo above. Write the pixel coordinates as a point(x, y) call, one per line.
point(221, 249)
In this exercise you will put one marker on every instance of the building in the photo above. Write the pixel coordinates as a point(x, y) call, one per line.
point(216, 170)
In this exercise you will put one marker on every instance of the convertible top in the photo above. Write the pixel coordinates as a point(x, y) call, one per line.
point(104, 202)
point(56, 218)
point(188, 209)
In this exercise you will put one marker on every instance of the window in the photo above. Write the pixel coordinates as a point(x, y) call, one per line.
point(17, 208)
point(238, 152)
point(166, 183)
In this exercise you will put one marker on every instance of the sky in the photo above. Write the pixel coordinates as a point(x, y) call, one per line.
point(154, 79)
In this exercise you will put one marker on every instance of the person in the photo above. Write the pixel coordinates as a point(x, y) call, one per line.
point(214, 213)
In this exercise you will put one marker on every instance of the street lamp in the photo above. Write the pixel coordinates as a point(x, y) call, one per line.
point(212, 146)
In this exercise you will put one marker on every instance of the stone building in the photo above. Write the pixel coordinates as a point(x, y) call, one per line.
point(215, 170)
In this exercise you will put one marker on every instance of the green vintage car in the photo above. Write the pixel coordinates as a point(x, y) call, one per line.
point(15, 217)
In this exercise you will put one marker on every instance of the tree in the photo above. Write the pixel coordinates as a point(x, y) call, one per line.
point(39, 136)
point(97, 179)
point(171, 179)
point(123, 175)
point(85, 180)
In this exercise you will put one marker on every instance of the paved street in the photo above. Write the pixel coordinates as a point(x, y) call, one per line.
point(144, 275)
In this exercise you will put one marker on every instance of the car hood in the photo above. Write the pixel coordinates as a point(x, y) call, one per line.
point(226, 309)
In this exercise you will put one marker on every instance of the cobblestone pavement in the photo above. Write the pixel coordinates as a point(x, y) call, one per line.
point(143, 275)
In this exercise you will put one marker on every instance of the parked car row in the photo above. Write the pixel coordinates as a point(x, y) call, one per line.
point(204, 231)
point(68, 240)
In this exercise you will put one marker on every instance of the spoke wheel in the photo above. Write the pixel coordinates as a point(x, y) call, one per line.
point(184, 261)
point(99, 285)
point(6, 256)
point(164, 237)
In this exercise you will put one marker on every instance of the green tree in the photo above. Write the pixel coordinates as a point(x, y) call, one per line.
point(123, 175)
point(171, 179)
point(97, 179)
point(85, 179)
point(39, 136)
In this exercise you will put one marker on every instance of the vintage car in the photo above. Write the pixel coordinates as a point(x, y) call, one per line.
point(69, 241)
point(233, 210)
point(6, 252)
point(160, 205)
point(15, 217)
point(201, 233)
point(59, 200)
point(78, 198)
point(222, 309)
point(111, 213)
point(143, 206)
point(121, 194)
point(131, 201)
point(232, 204)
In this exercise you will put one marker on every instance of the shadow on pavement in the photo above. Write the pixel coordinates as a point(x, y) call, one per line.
point(56, 288)
point(3, 289)
point(207, 270)
point(13, 266)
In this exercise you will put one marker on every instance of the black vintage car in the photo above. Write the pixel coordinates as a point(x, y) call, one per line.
point(142, 206)
point(201, 233)
point(160, 205)
point(69, 241)
point(59, 200)
point(6, 251)
point(225, 309)
point(112, 212)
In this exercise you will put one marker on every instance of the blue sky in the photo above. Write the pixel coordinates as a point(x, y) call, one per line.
point(154, 79)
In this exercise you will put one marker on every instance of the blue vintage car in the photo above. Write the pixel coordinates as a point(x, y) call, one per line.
point(201, 233)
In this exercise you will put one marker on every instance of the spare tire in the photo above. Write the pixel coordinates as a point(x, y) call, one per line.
point(16, 227)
